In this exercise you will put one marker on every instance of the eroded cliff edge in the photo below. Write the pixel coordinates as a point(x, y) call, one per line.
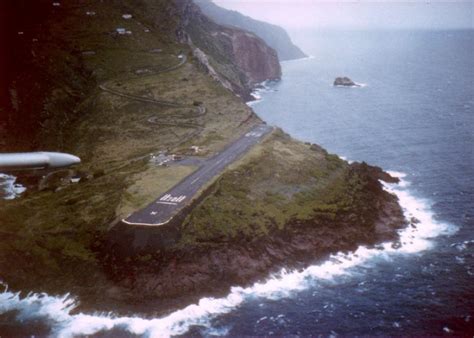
point(285, 204)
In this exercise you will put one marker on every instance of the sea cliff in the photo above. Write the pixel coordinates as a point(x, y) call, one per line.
point(239, 59)
point(275, 36)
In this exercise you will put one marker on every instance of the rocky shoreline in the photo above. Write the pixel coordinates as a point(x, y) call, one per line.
point(257, 218)
point(181, 276)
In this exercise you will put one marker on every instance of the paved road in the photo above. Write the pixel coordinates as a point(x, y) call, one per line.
point(171, 202)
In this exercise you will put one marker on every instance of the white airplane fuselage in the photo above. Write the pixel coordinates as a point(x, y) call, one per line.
point(36, 160)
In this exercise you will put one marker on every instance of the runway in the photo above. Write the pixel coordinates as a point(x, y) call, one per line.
point(166, 206)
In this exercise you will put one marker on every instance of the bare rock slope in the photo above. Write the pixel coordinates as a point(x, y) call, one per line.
point(238, 58)
point(275, 36)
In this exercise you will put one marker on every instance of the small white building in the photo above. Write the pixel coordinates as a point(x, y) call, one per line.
point(56, 4)
point(90, 13)
point(196, 149)
point(127, 16)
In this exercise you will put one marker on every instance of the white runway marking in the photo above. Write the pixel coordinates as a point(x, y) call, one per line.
point(168, 203)
point(253, 134)
point(169, 198)
point(194, 181)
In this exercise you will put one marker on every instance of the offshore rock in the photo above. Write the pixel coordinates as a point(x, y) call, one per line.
point(345, 81)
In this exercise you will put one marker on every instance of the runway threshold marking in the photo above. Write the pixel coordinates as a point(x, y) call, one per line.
point(168, 203)
point(171, 199)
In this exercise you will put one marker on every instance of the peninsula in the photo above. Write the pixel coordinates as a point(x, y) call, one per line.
point(123, 83)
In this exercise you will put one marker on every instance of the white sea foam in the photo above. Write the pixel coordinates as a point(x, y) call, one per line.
point(264, 87)
point(357, 85)
point(344, 158)
point(57, 310)
point(9, 189)
point(306, 58)
point(257, 95)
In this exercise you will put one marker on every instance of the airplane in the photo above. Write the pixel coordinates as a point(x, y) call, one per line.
point(36, 160)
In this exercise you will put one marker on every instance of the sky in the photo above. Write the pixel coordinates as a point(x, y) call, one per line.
point(358, 14)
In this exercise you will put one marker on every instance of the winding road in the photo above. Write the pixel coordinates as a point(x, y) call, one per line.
point(171, 121)
point(166, 206)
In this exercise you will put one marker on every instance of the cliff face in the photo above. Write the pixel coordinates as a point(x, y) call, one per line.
point(275, 36)
point(258, 61)
point(237, 58)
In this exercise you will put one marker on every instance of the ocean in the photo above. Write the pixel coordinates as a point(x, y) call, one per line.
point(413, 115)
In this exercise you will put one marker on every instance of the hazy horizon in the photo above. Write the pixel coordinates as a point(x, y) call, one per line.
point(308, 14)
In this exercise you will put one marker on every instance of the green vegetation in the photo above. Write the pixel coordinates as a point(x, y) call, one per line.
point(49, 239)
point(52, 235)
point(283, 183)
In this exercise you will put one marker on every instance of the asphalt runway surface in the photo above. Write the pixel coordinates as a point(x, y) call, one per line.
point(166, 206)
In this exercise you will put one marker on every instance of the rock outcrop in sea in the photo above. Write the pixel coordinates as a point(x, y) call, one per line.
point(345, 82)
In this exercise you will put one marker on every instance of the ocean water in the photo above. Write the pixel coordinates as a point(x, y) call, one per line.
point(414, 116)
point(9, 189)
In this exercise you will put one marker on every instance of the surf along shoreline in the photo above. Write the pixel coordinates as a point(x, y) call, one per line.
point(65, 319)
point(182, 276)
point(298, 246)
point(186, 275)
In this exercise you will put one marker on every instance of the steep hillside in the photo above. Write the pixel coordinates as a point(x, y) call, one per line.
point(76, 84)
point(275, 36)
point(239, 58)
point(60, 54)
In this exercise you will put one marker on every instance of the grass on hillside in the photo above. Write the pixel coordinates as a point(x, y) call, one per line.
point(50, 234)
point(281, 180)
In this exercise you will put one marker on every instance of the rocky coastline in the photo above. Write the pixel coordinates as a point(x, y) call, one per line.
point(179, 276)
point(256, 218)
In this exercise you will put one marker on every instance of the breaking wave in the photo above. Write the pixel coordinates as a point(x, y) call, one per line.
point(262, 88)
point(357, 85)
point(57, 311)
point(9, 189)
point(309, 57)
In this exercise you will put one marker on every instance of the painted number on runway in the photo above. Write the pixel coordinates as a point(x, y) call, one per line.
point(168, 198)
